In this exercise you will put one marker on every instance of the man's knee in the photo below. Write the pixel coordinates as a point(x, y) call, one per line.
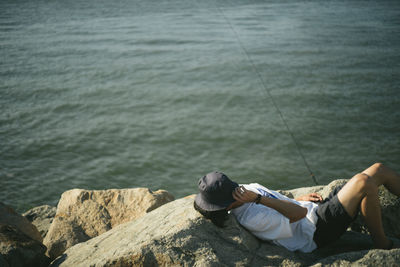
point(365, 183)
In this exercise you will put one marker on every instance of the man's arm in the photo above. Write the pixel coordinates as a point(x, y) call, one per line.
point(314, 197)
point(288, 209)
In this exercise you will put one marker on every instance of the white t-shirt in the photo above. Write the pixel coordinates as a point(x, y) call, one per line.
point(268, 224)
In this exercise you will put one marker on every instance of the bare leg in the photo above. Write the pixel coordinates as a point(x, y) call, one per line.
point(361, 192)
point(371, 211)
point(386, 176)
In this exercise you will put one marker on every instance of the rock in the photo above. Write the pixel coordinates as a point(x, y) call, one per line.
point(3, 261)
point(176, 234)
point(9, 217)
point(390, 212)
point(18, 249)
point(84, 214)
point(321, 189)
point(350, 241)
point(375, 257)
point(390, 215)
point(41, 217)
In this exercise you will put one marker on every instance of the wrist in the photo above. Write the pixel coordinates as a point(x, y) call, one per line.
point(258, 199)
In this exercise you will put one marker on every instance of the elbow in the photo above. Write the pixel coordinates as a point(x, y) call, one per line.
point(297, 216)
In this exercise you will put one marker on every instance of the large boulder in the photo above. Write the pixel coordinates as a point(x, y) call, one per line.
point(84, 214)
point(175, 234)
point(8, 216)
point(374, 257)
point(41, 217)
point(19, 250)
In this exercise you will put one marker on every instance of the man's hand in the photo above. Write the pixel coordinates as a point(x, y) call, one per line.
point(313, 197)
point(243, 195)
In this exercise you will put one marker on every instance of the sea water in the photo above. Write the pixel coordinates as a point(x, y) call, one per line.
point(100, 94)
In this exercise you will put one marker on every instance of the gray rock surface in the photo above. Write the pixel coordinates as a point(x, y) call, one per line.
point(18, 249)
point(41, 217)
point(84, 214)
point(177, 235)
point(9, 217)
point(375, 257)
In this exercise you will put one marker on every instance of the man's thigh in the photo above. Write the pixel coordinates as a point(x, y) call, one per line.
point(333, 221)
point(351, 194)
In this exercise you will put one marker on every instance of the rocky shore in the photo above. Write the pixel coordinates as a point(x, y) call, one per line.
point(139, 227)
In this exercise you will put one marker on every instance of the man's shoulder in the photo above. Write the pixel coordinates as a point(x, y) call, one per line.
point(255, 186)
point(264, 191)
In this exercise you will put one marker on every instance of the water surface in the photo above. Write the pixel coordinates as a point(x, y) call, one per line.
point(102, 94)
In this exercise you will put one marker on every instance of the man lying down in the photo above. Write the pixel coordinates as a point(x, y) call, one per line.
point(305, 223)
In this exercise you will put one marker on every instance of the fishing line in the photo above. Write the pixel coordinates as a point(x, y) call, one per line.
point(269, 94)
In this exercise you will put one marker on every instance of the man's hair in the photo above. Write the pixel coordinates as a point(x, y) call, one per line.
point(218, 217)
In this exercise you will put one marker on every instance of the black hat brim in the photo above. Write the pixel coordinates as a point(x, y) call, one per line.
point(205, 205)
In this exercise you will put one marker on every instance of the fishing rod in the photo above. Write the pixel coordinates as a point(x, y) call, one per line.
point(269, 94)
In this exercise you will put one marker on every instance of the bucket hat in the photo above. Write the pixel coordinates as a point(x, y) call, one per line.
point(215, 191)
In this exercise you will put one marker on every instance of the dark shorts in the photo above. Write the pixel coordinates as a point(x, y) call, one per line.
point(333, 220)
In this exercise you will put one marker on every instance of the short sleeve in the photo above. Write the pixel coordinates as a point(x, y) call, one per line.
point(265, 223)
